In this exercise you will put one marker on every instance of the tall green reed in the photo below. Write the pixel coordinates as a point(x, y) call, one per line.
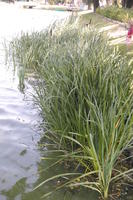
point(84, 90)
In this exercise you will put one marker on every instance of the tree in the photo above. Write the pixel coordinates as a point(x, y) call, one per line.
point(115, 2)
point(88, 3)
point(96, 4)
point(127, 3)
point(124, 2)
point(107, 2)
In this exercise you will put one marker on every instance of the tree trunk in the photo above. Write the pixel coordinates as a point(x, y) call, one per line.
point(89, 4)
point(129, 4)
point(107, 2)
point(124, 3)
point(115, 2)
point(96, 4)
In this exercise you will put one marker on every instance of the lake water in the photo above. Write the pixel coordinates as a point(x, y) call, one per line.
point(20, 158)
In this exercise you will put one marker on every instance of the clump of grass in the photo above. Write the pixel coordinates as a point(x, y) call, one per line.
point(84, 90)
point(116, 13)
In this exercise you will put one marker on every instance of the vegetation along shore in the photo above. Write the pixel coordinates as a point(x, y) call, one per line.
point(84, 90)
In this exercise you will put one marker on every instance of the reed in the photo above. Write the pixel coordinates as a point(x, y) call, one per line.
point(84, 90)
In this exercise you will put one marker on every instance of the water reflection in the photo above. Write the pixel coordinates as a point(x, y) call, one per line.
point(18, 134)
point(18, 140)
point(22, 190)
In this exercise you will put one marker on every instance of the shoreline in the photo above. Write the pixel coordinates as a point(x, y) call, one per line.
point(42, 6)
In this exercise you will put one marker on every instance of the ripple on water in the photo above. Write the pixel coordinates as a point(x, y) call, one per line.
point(18, 139)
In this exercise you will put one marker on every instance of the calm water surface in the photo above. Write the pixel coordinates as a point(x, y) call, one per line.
point(20, 158)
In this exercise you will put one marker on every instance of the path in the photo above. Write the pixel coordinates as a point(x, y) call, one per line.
point(115, 30)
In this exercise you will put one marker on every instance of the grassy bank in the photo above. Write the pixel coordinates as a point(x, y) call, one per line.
point(116, 13)
point(94, 19)
point(117, 33)
point(84, 90)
